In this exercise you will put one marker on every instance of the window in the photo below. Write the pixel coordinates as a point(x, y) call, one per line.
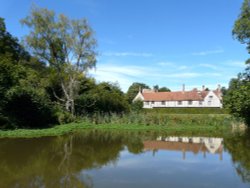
point(163, 103)
point(209, 103)
point(190, 102)
point(179, 102)
point(152, 102)
point(200, 102)
point(146, 103)
point(210, 97)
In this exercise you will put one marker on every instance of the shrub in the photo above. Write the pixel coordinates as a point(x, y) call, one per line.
point(27, 108)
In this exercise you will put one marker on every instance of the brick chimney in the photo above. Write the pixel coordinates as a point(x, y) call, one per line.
point(203, 88)
point(183, 87)
point(219, 87)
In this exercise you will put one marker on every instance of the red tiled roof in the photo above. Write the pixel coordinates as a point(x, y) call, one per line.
point(174, 96)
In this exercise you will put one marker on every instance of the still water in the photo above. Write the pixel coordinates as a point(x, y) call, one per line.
point(128, 159)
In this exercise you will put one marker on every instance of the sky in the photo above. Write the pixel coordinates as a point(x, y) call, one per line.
point(156, 42)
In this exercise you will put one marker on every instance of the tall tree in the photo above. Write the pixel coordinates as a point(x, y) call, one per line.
point(241, 28)
point(67, 46)
point(237, 98)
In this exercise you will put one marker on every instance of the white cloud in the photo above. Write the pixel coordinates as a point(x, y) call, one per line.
point(209, 52)
point(165, 63)
point(183, 75)
point(183, 67)
point(123, 54)
point(240, 64)
point(208, 66)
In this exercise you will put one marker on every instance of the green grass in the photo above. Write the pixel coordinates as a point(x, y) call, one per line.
point(202, 124)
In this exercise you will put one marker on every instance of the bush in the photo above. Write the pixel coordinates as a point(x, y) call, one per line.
point(137, 106)
point(105, 98)
point(27, 108)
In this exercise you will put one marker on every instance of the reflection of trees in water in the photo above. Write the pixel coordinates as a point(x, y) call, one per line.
point(61, 161)
point(239, 148)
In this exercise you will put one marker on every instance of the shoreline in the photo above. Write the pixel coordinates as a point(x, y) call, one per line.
point(65, 129)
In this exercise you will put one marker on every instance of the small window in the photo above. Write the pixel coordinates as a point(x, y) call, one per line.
point(210, 97)
point(209, 103)
point(179, 102)
point(163, 103)
point(146, 103)
point(190, 102)
point(152, 102)
point(200, 102)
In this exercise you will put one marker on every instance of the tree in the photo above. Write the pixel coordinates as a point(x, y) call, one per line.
point(241, 28)
point(10, 47)
point(67, 46)
point(164, 89)
point(237, 97)
point(134, 89)
point(104, 98)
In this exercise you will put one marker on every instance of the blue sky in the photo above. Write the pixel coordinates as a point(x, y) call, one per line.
point(164, 42)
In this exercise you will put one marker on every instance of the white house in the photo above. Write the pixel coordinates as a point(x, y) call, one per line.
point(193, 98)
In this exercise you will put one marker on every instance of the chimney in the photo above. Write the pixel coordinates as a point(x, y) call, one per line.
point(219, 87)
point(183, 87)
point(203, 88)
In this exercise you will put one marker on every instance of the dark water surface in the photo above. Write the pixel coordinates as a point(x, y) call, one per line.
point(128, 159)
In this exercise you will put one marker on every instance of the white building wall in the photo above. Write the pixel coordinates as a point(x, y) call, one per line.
point(212, 100)
point(162, 104)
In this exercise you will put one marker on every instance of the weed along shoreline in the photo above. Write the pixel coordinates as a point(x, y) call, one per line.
point(170, 123)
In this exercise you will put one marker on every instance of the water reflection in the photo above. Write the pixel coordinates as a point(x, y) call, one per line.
point(184, 144)
point(91, 158)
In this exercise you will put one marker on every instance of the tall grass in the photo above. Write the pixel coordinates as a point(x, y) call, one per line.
point(160, 119)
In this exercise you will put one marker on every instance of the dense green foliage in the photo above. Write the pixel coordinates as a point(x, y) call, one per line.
point(241, 28)
point(161, 89)
point(28, 108)
point(104, 98)
point(68, 48)
point(134, 89)
point(237, 97)
point(44, 88)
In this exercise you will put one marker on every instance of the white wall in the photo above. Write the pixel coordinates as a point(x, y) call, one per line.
point(158, 104)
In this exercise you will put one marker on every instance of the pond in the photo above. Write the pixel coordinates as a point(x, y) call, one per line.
point(112, 159)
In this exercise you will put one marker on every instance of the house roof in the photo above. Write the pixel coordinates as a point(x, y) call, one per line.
point(193, 95)
point(173, 96)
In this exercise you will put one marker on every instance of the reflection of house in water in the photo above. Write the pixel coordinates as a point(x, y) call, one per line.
point(190, 144)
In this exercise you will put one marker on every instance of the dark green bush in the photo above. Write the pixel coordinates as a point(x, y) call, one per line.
point(137, 106)
point(27, 108)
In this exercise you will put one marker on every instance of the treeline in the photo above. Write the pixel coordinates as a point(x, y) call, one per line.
point(47, 84)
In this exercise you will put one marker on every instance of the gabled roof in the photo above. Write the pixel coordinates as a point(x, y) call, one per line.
point(173, 96)
point(193, 95)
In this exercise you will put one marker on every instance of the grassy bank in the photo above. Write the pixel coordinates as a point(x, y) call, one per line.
point(177, 123)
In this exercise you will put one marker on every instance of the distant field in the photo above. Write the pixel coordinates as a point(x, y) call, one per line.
point(188, 110)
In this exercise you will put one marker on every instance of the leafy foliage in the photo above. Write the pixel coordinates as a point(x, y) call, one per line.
point(67, 46)
point(103, 98)
point(241, 28)
point(237, 99)
point(28, 108)
point(134, 89)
